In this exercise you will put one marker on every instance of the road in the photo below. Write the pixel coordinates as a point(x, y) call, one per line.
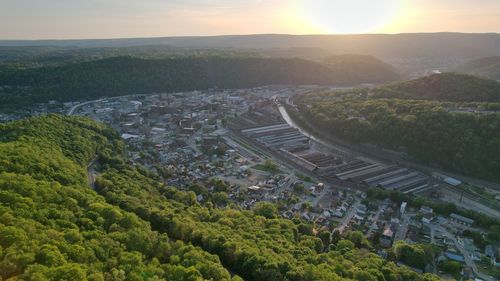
point(465, 201)
point(348, 217)
point(468, 260)
point(72, 110)
point(91, 172)
point(403, 227)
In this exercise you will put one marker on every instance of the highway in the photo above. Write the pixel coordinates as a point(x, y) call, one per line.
point(72, 110)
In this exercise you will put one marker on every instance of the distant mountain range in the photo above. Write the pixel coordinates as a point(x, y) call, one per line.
point(444, 45)
point(488, 67)
point(444, 87)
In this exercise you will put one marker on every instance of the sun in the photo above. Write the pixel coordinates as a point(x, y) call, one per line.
point(349, 16)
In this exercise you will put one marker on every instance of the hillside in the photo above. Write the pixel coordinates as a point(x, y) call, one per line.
point(432, 45)
point(488, 67)
point(371, 68)
point(444, 87)
point(53, 226)
point(127, 75)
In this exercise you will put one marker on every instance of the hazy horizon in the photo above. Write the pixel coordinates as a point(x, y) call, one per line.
point(105, 19)
point(248, 34)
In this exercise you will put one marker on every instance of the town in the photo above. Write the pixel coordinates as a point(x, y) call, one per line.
point(240, 147)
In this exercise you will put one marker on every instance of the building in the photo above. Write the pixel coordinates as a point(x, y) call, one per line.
point(361, 210)
point(449, 180)
point(461, 219)
point(490, 251)
point(387, 237)
point(426, 210)
point(496, 259)
point(402, 209)
point(454, 256)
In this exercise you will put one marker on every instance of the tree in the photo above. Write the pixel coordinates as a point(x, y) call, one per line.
point(265, 209)
point(299, 188)
point(451, 267)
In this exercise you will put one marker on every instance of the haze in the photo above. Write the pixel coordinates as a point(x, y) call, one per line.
point(56, 19)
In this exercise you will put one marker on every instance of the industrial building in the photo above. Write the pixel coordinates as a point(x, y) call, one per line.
point(360, 171)
point(278, 136)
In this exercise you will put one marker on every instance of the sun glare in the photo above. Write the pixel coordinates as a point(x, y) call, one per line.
point(350, 16)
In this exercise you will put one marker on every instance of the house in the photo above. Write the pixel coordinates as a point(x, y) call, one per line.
point(402, 209)
point(209, 142)
point(387, 237)
point(427, 218)
point(496, 260)
point(426, 210)
point(453, 255)
point(361, 210)
point(490, 251)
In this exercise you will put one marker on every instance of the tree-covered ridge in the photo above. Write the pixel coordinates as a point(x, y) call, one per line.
point(429, 131)
point(366, 66)
point(128, 75)
point(444, 87)
point(54, 227)
point(488, 67)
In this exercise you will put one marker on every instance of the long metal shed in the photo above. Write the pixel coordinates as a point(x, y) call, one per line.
point(375, 172)
point(354, 171)
point(417, 189)
point(368, 171)
point(265, 128)
point(407, 183)
point(397, 179)
point(382, 177)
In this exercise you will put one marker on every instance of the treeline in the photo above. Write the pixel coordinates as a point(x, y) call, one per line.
point(127, 75)
point(488, 67)
point(427, 131)
point(54, 227)
point(444, 87)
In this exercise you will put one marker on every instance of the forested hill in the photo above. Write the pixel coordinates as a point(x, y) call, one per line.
point(127, 75)
point(444, 87)
point(53, 226)
point(488, 67)
point(366, 67)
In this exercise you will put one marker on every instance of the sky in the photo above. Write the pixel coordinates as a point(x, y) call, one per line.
point(77, 19)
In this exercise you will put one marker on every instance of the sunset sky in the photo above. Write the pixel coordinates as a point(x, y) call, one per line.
point(63, 19)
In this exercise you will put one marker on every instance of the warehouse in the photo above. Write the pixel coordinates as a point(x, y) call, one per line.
point(373, 181)
point(374, 172)
point(396, 179)
point(257, 130)
point(462, 219)
point(346, 174)
point(408, 183)
point(416, 190)
point(321, 159)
